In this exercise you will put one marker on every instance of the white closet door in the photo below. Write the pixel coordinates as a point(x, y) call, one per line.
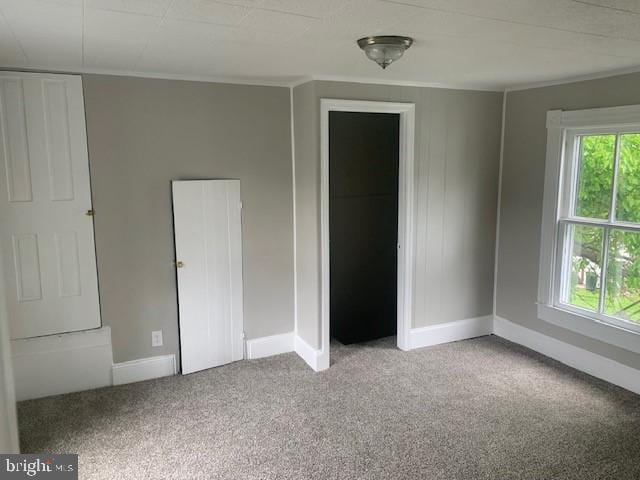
point(207, 222)
point(47, 236)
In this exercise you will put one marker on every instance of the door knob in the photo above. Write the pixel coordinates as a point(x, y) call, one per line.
point(179, 264)
point(90, 213)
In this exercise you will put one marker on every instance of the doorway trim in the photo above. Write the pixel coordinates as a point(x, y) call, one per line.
point(406, 220)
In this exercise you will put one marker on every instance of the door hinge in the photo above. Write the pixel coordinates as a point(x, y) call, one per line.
point(240, 205)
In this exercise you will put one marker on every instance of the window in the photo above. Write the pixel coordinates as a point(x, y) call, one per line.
point(599, 226)
point(590, 252)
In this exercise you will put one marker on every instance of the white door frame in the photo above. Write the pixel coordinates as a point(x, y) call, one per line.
point(405, 212)
point(8, 417)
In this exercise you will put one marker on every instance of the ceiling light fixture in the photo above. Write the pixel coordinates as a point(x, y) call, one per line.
point(384, 49)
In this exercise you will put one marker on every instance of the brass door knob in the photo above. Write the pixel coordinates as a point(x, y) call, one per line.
point(179, 264)
point(90, 213)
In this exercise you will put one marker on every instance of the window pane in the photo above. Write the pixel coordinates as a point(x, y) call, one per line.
point(622, 294)
point(628, 201)
point(583, 286)
point(595, 176)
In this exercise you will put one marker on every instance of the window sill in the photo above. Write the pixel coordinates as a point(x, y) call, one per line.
point(604, 332)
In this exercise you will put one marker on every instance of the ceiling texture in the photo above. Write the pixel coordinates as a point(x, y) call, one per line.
point(485, 44)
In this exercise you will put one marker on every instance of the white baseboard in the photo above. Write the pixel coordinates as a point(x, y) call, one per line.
point(578, 358)
point(271, 345)
point(144, 369)
point(450, 332)
point(287, 342)
point(64, 363)
point(316, 359)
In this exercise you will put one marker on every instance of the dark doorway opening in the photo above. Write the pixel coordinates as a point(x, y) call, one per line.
point(363, 225)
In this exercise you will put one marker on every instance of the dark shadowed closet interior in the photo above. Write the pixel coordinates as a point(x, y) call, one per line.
point(363, 224)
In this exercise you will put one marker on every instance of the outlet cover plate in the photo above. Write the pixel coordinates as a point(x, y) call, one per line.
point(156, 338)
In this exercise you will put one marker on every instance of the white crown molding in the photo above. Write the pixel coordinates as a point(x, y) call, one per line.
point(155, 75)
point(574, 79)
point(309, 78)
point(301, 81)
point(245, 80)
point(401, 83)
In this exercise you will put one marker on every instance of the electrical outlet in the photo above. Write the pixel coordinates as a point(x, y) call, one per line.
point(156, 338)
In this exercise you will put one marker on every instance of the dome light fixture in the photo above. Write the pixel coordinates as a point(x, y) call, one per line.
point(384, 49)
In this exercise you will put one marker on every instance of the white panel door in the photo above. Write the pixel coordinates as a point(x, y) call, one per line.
point(207, 223)
point(46, 236)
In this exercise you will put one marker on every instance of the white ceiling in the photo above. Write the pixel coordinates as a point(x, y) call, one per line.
point(488, 44)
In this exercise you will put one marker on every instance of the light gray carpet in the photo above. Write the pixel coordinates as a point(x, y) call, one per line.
point(478, 409)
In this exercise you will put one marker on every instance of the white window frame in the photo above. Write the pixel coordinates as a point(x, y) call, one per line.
point(563, 130)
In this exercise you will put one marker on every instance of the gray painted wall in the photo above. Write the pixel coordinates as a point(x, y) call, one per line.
point(457, 157)
point(142, 134)
point(522, 192)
